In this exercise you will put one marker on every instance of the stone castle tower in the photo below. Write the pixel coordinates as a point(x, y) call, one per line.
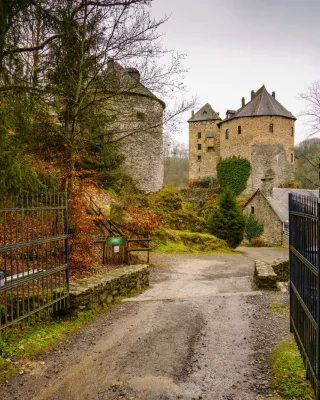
point(262, 131)
point(136, 122)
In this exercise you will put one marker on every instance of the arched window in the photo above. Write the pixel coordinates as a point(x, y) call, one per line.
point(271, 128)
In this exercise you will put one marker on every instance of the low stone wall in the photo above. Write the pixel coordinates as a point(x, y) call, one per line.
point(101, 290)
point(196, 195)
point(268, 273)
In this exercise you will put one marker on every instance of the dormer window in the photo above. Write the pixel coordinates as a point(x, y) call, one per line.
point(271, 128)
point(227, 134)
point(204, 112)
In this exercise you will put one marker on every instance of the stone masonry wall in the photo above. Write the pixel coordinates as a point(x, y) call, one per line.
point(196, 195)
point(143, 150)
point(269, 153)
point(273, 228)
point(210, 149)
point(101, 290)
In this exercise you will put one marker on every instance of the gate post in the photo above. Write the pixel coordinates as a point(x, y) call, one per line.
point(318, 303)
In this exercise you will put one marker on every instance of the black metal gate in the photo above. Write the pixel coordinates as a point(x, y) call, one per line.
point(34, 274)
point(304, 229)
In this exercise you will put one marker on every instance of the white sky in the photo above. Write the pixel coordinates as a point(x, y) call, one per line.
point(235, 46)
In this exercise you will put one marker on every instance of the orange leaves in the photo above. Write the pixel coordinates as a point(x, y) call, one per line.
point(143, 221)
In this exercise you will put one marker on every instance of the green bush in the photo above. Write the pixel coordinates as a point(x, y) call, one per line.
point(253, 228)
point(233, 173)
point(207, 181)
point(227, 220)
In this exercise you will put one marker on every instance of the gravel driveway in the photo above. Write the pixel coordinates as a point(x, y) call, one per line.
point(200, 332)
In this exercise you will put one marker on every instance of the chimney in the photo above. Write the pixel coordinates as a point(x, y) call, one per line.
point(111, 63)
point(252, 94)
point(243, 102)
point(134, 73)
point(274, 95)
point(192, 114)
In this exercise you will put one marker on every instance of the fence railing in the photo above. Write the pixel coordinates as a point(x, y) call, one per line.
point(304, 239)
point(34, 273)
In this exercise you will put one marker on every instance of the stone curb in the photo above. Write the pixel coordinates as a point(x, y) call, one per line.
point(268, 273)
point(105, 289)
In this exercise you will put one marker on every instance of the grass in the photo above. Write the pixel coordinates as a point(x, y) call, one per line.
point(288, 372)
point(175, 242)
point(21, 345)
point(279, 308)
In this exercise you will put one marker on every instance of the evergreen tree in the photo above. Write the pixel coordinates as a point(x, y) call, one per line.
point(253, 228)
point(227, 221)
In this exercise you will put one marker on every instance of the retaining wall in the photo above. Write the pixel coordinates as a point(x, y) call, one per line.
point(101, 290)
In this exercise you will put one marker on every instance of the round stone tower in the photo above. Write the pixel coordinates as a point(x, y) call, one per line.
point(137, 125)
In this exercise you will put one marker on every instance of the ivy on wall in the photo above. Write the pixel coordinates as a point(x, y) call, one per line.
point(233, 173)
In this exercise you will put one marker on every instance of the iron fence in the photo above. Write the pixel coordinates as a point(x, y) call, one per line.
point(304, 239)
point(34, 273)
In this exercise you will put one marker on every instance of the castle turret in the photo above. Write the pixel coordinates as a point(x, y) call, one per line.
point(204, 143)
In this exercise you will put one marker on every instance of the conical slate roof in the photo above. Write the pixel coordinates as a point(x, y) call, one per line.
point(262, 104)
point(206, 113)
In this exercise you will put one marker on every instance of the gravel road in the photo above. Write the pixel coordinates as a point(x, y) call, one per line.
point(200, 332)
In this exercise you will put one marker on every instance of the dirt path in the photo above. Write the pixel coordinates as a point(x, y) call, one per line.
point(200, 332)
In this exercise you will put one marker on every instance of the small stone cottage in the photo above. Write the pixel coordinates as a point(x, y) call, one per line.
point(273, 211)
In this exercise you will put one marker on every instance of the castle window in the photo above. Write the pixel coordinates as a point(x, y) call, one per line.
point(252, 210)
point(210, 148)
point(239, 129)
point(292, 131)
point(140, 116)
point(195, 123)
point(204, 122)
point(199, 135)
point(199, 146)
point(210, 134)
point(227, 133)
point(199, 158)
point(292, 157)
point(271, 128)
point(212, 122)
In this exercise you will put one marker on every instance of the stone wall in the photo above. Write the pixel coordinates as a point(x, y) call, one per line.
point(101, 290)
point(273, 227)
point(196, 195)
point(210, 149)
point(269, 153)
point(268, 273)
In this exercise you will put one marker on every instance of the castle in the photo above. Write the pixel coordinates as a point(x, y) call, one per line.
point(262, 131)
point(136, 123)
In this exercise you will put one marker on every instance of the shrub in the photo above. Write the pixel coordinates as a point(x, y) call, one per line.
point(253, 228)
point(233, 173)
point(207, 181)
point(227, 221)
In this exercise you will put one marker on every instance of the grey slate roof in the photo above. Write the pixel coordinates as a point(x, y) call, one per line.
point(124, 82)
point(262, 104)
point(206, 113)
point(279, 200)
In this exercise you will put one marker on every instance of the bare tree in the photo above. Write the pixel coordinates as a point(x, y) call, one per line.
point(55, 52)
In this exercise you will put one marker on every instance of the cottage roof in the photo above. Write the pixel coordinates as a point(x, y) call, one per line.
point(279, 200)
point(206, 113)
point(262, 104)
point(127, 80)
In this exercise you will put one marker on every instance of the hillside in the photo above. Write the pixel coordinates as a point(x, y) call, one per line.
point(176, 171)
point(307, 155)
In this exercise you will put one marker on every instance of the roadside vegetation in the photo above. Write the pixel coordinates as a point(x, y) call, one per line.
point(20, 348)
point(288, 372)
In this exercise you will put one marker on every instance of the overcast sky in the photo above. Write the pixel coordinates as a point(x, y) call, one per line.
point(234, 46)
